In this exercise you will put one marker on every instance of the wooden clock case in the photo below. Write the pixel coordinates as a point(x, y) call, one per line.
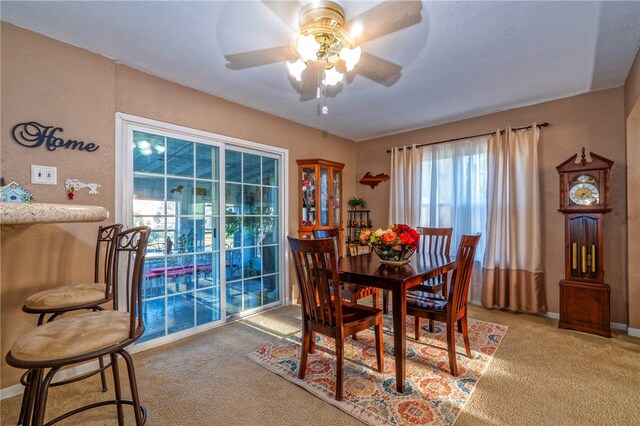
point(584, 297)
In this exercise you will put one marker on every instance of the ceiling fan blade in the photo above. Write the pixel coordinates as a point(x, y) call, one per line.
point(310, 78)
point(287, 11)
point(379, 70)
point(386, 18)
point(256, 58)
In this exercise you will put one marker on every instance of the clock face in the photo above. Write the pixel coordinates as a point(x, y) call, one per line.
point(584, 191)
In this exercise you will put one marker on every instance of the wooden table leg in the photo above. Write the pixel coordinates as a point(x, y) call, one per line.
point(399, 334)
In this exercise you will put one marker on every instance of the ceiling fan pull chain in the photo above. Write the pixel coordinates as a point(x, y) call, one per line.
point(325, 108)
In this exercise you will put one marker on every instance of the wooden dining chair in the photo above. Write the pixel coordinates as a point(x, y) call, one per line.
point(432, 241)
point(59, 300)
point(316, 266)
point(453, 308)
point(90, 336)
point(351, 292)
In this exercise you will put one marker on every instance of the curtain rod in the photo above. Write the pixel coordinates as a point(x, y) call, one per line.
point(545, 124)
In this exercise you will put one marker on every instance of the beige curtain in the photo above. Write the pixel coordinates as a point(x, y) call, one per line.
point(512, 267)
point(405, 196)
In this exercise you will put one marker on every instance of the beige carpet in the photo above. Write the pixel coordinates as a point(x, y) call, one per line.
point(540, 375)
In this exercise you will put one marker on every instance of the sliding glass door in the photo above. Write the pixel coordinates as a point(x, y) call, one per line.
point(214, 211)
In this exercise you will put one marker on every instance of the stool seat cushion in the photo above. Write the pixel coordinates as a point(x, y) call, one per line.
point(66, 296)
point(72, 336)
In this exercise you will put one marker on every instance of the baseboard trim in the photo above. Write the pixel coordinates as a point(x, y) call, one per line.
point(613, 325)
point(10, 391)
point(67, 373)
point(635, 332)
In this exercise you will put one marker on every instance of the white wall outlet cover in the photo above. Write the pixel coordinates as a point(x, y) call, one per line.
point(44, 175)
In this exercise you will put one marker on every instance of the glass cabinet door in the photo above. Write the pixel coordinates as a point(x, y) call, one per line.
point(308, 186)
point(336, 198)
point(324, 196)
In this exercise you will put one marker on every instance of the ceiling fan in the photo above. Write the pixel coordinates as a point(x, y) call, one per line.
point(326, 46)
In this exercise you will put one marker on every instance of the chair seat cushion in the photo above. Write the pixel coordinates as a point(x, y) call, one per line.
point(66, 296)
point(422, 300)
point(72, 336)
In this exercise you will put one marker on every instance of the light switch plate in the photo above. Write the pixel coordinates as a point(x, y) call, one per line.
point(44, 175)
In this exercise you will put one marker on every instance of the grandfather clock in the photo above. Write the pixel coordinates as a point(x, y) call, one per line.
point(584, 199)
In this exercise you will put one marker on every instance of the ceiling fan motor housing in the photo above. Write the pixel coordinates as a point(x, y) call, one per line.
point(325, 22)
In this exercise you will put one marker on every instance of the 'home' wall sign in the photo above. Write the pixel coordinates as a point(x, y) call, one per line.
point(32, 134)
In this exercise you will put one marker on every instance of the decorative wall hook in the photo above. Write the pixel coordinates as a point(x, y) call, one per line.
point(72, 185)
point(373, 181)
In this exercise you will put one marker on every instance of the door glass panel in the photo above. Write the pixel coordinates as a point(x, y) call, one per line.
point(252, 199)
point(181, 312)
point(233, 166)
point(336, 198)
point(206, 162)
point(308, 185)
point(179, 200)
point(251, 168)
point(180, 157)
point(324, 197)
point(148, 153)
point(270, 201)
point(251, 231)
point(270, 171)
point(207, 303)
point(233, 198)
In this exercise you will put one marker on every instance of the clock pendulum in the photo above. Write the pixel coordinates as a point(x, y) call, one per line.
point(584, 199)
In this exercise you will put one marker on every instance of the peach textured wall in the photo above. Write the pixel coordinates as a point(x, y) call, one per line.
point(632, 113)
point(594, 120)
point(632, 86)
point(58, 84)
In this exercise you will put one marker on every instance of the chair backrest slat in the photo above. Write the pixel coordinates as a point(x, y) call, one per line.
point(461, 277)
point(316, 266)
point(105, 251)
point(435, 240)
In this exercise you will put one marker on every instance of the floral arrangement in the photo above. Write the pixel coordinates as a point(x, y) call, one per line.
point(398, 242)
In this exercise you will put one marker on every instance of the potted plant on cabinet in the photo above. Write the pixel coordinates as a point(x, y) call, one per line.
point(357, 203)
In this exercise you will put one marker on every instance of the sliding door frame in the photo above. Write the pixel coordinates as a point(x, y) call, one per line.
point(125, 125)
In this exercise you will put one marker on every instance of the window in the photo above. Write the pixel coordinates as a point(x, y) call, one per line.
point(454, 188)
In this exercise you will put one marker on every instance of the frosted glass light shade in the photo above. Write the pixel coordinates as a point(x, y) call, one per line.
point(307, 48)
point(296, 68)
point(350, 56)
point(332, 77)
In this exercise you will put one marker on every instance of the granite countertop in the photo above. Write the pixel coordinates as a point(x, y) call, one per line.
point(26, 213)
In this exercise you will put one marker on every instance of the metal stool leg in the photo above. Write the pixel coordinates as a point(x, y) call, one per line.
point(134, 387)
point(116, 386)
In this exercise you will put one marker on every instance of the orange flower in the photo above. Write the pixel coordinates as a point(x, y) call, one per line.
point(389, 238)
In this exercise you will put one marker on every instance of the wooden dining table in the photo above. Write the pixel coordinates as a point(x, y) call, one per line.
point(367, 270)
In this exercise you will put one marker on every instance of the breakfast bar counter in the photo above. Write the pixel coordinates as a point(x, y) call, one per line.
point(28, 213)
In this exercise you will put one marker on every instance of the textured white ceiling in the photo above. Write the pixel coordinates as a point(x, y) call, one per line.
point(463, 59)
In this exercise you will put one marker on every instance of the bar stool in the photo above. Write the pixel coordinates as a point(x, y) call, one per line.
point(89, 336)
point(60, 300)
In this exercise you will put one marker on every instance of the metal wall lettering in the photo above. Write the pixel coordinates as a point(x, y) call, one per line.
point(33, 134)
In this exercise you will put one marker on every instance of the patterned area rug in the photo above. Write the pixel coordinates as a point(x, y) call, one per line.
point(433, 396)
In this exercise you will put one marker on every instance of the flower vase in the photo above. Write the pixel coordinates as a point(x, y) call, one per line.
point(389, 255)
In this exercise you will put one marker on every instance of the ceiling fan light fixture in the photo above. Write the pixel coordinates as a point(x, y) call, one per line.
point(332, 77)
point(322, 34)
point(296, 68)
point(350, 57)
